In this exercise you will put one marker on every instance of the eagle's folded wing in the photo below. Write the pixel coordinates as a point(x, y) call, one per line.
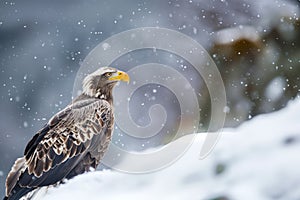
point(56, 149)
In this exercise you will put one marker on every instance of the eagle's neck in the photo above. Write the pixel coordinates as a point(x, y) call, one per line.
point(104, 92)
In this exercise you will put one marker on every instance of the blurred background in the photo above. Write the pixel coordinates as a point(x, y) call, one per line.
point(254, 43)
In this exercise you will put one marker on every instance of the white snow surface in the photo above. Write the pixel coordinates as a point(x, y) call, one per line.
point(261, 159)
point(232, 34)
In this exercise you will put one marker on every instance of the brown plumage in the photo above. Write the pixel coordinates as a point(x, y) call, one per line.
point(73, 140)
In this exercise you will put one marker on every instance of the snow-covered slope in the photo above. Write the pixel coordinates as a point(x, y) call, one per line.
point(258, 160)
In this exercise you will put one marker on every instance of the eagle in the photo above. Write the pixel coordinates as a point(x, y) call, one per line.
point(72, 142)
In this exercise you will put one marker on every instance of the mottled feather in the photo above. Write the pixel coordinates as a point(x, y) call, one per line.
point(67, 135)
point(73, 140)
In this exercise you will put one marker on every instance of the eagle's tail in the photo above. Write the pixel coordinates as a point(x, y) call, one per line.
point(13, 189)
point(19, 192)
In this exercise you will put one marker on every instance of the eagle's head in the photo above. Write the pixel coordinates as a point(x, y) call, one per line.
point(100, 83)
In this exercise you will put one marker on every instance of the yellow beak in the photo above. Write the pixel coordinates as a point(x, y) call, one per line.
point(120, 76)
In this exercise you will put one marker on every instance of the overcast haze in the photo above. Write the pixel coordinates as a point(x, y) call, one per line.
point(42, 44)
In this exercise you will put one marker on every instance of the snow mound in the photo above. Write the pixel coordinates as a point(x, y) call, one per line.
point(232, 34)
point(258, 160)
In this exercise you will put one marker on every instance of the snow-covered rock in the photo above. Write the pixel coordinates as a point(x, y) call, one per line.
point(258, 160)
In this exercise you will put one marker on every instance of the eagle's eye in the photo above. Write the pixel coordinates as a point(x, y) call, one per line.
point(108, 74)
